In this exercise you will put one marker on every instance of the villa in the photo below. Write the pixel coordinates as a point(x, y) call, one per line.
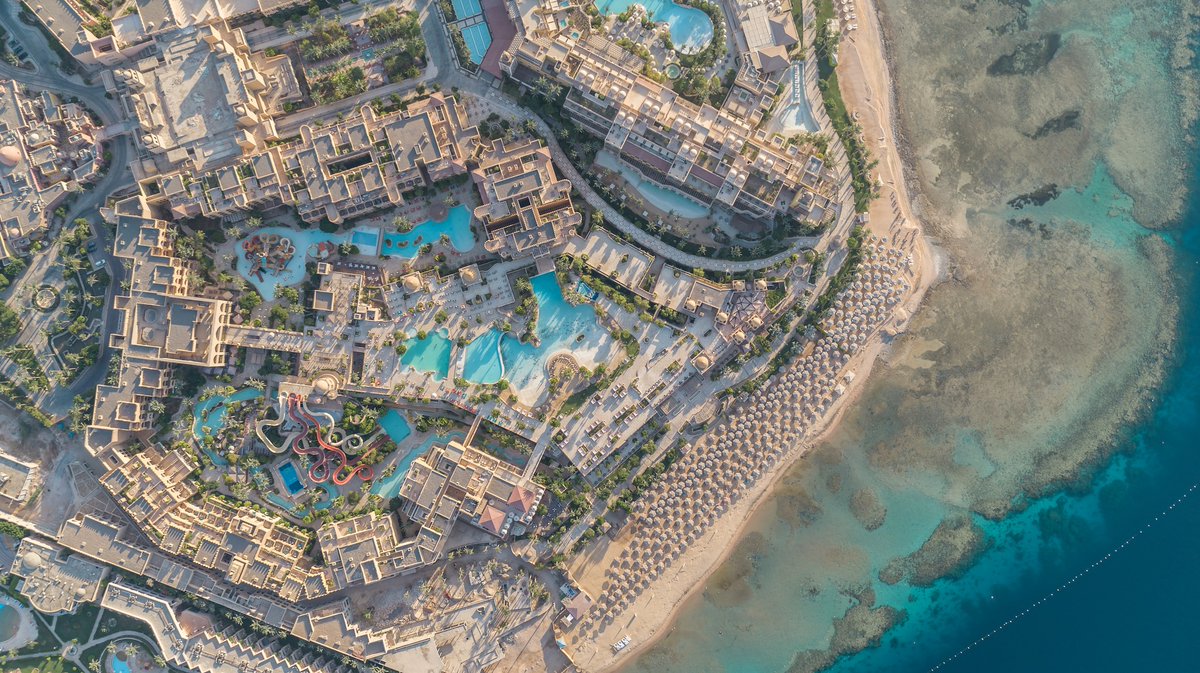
point(456, 481)
point(716, 156)
point(362, 164)
point(527, 210)
point(48, 149)
point(55, 582)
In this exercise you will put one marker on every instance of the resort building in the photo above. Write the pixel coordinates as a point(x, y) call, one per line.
point(55, 582)
point(48, 149)
point(454, 482)
point(359, 165)
point(716, 156)
point(18, 480)
point(162, 323)
point(527, 210)
point(204, 99)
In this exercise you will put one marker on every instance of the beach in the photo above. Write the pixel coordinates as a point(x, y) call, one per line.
point(865, 74)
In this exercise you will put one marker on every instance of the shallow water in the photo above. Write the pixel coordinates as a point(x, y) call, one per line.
point(1043, 354)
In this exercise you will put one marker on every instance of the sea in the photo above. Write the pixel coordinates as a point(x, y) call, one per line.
point(1018, 487)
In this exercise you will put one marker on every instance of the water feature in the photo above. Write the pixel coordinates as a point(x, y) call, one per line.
point(1076, 244)
point(395, 425)
point(560, 326)
point(118, 665)
point(389, 486)
point(796, 115)
point(456, 226)
point(208, 417)
point(431, 354)
point(691, 29)
point(660, 197)
point(291, 480)
point(10, 622)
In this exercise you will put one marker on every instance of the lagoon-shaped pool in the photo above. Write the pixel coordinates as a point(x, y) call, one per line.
point(561, 326)
point(660, 197)
point(370, 241)
point(431, 354)
point(691, 29)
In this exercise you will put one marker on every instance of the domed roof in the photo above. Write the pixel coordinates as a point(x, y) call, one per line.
point(690, 305)
point(31, 560)
point(80, 592)
point(702, 362)
point(469, 274)
point(739, 335)
point(323, 385)
point(722, 316)
point(756, 322)
point(10, 155)
point(760, 284)
point(412, 282)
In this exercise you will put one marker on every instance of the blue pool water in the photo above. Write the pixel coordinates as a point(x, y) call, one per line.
point(478, 39)
point(431, 354)
point(366, 240)
point(797, 114)
point(119, 666)
point(209, 415)
point(691, 29)
point(660, 197)
point(466, 8)
point(457, 226)
point(395, 425)
point(10, 622)
point(389, 486)
point(291, 480)
point(559, 326)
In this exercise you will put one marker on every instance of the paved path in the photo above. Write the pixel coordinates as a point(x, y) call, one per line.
point(88, 203)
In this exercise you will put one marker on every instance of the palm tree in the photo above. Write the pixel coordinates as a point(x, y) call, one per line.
point(94, 665)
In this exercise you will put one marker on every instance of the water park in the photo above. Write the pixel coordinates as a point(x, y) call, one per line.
point(334, 454)
point(269, 255)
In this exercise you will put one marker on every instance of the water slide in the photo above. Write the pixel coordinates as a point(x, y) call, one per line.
point(329, 454)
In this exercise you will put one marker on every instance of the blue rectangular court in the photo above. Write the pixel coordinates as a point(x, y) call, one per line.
point(466, 8)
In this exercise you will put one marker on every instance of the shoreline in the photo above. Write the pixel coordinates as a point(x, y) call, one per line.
point(657, 610)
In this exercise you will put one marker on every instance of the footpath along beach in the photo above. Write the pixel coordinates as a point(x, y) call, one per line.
point(691, 521)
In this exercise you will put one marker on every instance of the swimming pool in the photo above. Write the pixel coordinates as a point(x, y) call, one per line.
point(367, 241)
point(478, 39)
point(431, 354)
point(466, 8)
point(291, 480)
point(691, 29)
point(797, 114)
point(457, 226)
point(395, 425)
point(389, 486)
point(560, 326)
point(10, 622)
point(118, 666)
point(660, 197)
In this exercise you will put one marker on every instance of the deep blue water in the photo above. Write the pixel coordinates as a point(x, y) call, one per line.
point(1109, 577)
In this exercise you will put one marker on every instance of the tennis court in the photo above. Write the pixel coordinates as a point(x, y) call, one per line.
point(478, 40)
point(464, 9)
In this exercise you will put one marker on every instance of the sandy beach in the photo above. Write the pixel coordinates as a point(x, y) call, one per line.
point(865, 78)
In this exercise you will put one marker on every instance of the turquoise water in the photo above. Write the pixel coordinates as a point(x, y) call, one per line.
point(389, 486)
point(797, 113)
point(431, 354)
point(1012, 382)
point(209, 415)
point(10, 621)
point(291, 480)
point(559, 327)
point(118, 666)
point(662, 198)
point(478, 39)
point(457, 226)
point(395, 425)
point(691, 29)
